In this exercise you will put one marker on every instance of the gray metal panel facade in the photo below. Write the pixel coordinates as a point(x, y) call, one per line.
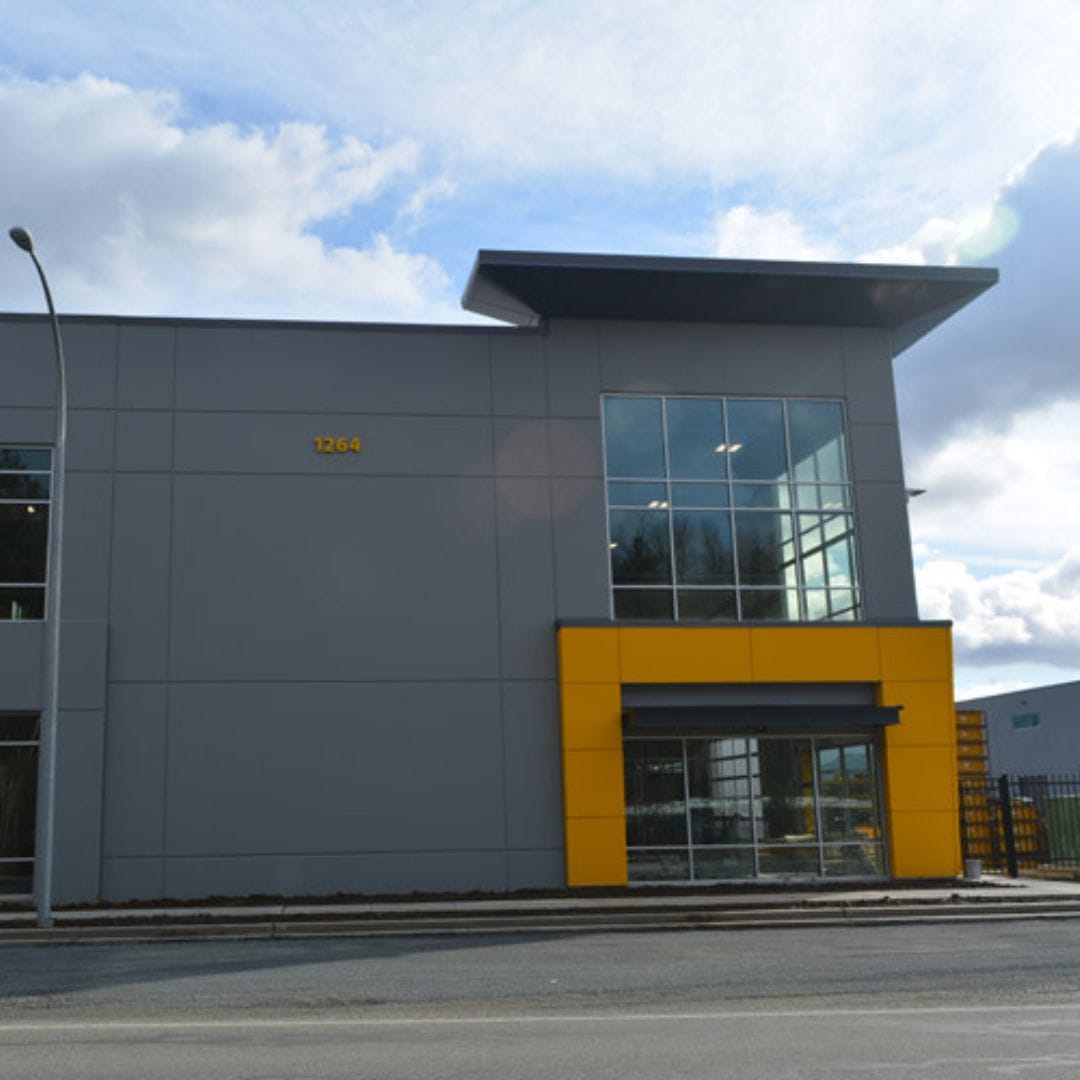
point(287, 672)
point(1051, 747)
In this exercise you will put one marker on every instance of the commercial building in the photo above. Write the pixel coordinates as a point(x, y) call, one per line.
point(1033, 732)
point(620, 592)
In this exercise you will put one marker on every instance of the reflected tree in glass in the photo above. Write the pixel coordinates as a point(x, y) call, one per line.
point(704, 552)
point(640, 548)
point(763, 542)
point(655, 793)
point(787, 788)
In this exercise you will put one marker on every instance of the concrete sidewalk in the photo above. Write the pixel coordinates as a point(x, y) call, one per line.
point(994, 897)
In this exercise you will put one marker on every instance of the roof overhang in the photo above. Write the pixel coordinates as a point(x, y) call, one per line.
point(526, 288)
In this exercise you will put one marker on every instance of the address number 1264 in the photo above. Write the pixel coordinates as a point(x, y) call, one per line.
point(326, 444)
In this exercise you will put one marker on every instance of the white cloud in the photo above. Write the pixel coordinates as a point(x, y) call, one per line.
point(417, 207)
point(874, 115)
point(135, 212)
point(1008, 490)
point(746, 233)
point(995, 541)
point(1016, 347)
point(980, 688)
point(979, 236)
point(991, 415)
point(1023, 616)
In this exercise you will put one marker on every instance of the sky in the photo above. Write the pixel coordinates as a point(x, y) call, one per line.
point(345, 159)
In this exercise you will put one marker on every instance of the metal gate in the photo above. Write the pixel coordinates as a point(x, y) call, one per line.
point(1021, 822)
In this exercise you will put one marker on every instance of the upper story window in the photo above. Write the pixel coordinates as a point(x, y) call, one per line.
point(729, 508)
point(25, 479)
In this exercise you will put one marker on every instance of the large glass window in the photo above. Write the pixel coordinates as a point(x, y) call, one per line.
point(25, 479)
point(706, 809)
point(18, 800)
point(729, 508)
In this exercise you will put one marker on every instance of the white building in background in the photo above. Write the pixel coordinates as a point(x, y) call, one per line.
point(1033, 732)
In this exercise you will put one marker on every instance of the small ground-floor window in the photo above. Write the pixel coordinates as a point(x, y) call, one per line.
point(19, 733)
point(707, 809)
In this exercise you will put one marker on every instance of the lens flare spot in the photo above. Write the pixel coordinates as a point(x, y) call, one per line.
point(988, 235)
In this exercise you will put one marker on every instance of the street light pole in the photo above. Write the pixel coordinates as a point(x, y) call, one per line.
point(46, 801)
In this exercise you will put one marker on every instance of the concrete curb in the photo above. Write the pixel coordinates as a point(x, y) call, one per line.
point(272, 923)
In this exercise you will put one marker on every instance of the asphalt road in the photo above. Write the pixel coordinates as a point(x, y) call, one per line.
point(982, 1000)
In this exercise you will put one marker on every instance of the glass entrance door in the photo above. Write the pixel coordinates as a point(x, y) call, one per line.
point(708, 809)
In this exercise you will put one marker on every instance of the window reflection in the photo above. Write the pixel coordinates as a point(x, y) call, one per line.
point(19, 733)
point(711, 493)
point(787, 790)
point(707, 605)
point(775, 605)
point(760, 496)
point(757, 429)
point(655, 793)
point(817, 441)
point(622, 493)
point(25, 482)
point(640, 548)
point(697, 442)
point(718, 783)
point(633, 437)
point(703, 548)
point(699, 495)
point(643, 604)
point(766, 556)
point(712, 808)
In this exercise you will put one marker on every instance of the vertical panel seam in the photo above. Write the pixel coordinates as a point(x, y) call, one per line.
point(105, 786)
point(497, 569)
point(168, 710)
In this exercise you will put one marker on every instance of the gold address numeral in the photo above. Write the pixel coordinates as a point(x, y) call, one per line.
point(338, 444)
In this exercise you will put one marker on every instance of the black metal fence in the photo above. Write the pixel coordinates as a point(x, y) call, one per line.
point(1019, 823)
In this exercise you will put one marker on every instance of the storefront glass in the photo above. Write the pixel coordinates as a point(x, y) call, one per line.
point(706, 809)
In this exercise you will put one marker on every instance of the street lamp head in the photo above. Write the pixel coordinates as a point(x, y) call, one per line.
point(22, 239)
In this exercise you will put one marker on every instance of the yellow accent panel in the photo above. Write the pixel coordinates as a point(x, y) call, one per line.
point(588, 654)
point(685, 654)
point(596, 851)
point(591, 716)
point(912, 665)
point(815, 654)
point(921, 778)
point(925, 845)
point(593, 783)
point(916, 653)
point(926, 718)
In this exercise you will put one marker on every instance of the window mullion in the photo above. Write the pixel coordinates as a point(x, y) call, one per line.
point(731, 518)
point(753, 803)
point(816, 789)
point(793, 503)
point(672, 563)
point(686, 805)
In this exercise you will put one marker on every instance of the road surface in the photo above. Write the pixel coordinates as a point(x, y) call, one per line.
point(975, 1000)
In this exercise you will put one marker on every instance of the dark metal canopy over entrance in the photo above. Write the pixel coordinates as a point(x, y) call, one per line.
point(527, 287)
point(728, 720)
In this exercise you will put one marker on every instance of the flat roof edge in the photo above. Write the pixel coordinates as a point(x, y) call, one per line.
point(984, 275)
point(210, 322)
point(906, 300)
